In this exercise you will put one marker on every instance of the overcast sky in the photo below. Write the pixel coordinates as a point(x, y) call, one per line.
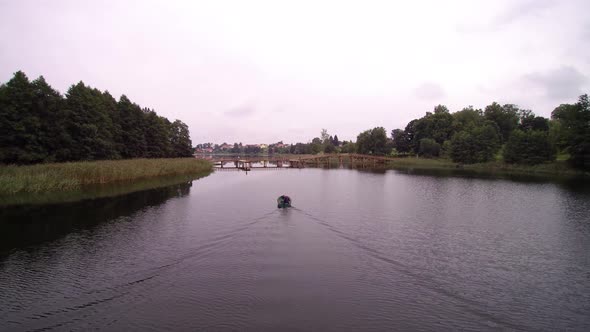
point(262, 71)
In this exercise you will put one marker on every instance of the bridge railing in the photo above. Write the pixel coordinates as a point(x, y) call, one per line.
point(292, 161)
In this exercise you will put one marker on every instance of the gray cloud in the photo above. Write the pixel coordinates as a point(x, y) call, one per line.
point(241, 111)
point(521, 10)
point(235, 68)
point(513, 13)
point(585, 35)
point(280, 109)
point(563, 82)
point(429, 91)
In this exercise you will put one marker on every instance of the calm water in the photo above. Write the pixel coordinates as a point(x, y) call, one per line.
point(360, 250)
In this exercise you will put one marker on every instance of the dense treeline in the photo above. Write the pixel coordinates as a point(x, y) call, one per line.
point(504, 133)
point(498, 132)
point(326, 143)
point(517, 135)
point(38, 124)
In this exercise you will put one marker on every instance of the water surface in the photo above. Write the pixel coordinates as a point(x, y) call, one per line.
point(360, 250)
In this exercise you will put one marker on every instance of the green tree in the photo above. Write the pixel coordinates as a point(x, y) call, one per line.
point(441, 126)
point(401, 142)
point(336, 142)
point(437, 126)
point(90, 124)
point(466, 118)
point(236, 149)
point(111, 106)
point(475, 145)
point(506, 117)
point(49, 105)
point(301, 148)
point(528, 121)
point(37, 124)
point(325, 137)
point(330, 148)
point(373, 141)
point(575, 130)
point(529, 147)
point(133, 134)
point(19, 124)
point(348, 147)
point(180, 140)
point(429, 148)
point(445, 149)
point(157, 135)
point(317, 144)
point(410, 132)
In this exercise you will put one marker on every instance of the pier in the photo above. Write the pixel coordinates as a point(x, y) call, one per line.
point(247, 163)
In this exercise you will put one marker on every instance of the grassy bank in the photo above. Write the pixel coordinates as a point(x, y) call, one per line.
point(74, 176)
point(555, 169)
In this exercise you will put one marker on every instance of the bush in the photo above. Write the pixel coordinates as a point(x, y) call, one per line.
point(429, 148)
point(475, 145)
point(445, 150)
point(373, 141)
point(330, 148)
point(530, 148)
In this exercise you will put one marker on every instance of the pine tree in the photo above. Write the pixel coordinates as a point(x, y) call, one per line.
point(49, 105)
point(37, 124)
point(157, 136)
point(132, 122)
point(19, 124)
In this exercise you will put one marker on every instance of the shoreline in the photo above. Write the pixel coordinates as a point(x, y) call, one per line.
point(556, 169)
point(74, 181)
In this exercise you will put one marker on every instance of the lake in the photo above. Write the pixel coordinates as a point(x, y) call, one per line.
point(360, 250)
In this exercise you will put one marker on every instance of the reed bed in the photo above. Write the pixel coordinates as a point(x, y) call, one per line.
point(69, 176)
point(552, 169)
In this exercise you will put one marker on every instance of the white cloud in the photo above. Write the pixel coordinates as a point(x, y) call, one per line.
point(430, 92)
point(558, 84)
point(341, 65)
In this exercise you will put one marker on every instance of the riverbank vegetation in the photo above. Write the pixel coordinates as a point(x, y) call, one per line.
point(498, 138)
point(72, 176)
point(558, 168)
point(501, 135)
point(39, 125)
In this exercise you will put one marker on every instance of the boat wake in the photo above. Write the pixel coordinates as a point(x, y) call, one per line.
point(421, 279)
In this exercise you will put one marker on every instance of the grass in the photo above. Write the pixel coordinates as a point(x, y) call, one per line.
point(422, 163)
point(558, 168)
point(74, 176)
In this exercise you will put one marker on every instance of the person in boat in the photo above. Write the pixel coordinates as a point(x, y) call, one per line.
point(284, 201)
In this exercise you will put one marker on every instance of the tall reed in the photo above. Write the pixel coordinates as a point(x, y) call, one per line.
point(74, 175)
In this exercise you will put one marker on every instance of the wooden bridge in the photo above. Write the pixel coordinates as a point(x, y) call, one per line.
point(292, 161)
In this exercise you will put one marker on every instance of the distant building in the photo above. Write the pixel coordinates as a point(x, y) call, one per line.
point(203, 150)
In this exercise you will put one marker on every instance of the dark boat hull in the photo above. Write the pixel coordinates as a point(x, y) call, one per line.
point(283, 202)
